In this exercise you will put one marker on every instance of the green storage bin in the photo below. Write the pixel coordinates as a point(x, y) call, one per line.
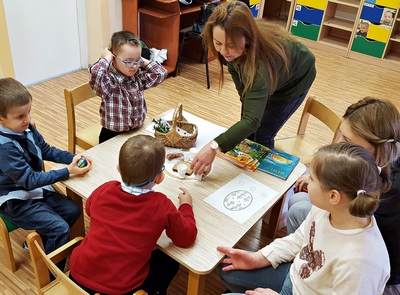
point(369, 47)
point(308, 31)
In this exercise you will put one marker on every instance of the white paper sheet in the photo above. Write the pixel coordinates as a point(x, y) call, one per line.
point(241, 197)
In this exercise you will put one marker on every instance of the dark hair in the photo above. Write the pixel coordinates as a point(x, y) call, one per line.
point(265, 42)
point(122, 37)
point(12, 94)
point(349, 168)
point(141, 158)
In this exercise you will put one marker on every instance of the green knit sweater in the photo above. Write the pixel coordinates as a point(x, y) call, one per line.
point(301, 74)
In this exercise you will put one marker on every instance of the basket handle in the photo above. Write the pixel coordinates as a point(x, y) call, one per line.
point(177, 116)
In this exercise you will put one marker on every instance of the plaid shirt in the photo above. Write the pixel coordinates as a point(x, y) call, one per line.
point(123, 106)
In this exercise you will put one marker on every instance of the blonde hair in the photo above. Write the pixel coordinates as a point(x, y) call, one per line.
point(265, 42)
point(351, 169)
point(378, 122)
point(141, 158)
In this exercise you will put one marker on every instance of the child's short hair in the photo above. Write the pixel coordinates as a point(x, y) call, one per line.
point(349, 169)
point(12, 94)
point(120, 38)
point(141, 158)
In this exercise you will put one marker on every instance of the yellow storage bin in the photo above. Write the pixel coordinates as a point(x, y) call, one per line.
point(388, 3)
point(319, 4)
point(378, 32)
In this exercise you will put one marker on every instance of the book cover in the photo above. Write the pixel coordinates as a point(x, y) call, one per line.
point(253, 156)
point(279, 164)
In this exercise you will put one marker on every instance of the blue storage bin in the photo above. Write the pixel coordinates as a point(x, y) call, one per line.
point(372, 13)
point(308, 15)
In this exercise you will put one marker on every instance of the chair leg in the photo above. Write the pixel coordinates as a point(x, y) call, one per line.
point(5, 236)
point(180, 52)
point(207, 72)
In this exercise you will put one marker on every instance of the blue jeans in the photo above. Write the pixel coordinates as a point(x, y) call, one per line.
point(51, 217)
point(298, 208)
point(277, 279)
point(277, 112)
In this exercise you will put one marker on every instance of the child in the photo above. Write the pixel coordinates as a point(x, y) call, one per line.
point(379, 134)
point(387, 18)
point(120, 77)
point(338, 249)
point(126, 220)
point(364, 26)
point(26, 196)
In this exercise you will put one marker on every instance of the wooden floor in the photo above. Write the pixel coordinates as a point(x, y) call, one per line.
point(339, 82)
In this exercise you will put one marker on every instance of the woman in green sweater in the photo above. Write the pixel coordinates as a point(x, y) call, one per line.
point(271, 70)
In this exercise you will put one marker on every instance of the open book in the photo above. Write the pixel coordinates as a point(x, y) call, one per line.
point(253, 156)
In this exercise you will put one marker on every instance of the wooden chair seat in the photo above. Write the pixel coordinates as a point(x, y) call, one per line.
point(88, 137)
point(302, 145)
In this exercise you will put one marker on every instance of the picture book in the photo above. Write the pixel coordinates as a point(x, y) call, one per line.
point(279, 164)
point(253, 156)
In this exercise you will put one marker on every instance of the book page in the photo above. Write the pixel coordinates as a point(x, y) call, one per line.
point(241, 197)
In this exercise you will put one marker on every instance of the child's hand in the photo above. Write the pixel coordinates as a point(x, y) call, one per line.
point(74, 169)
point(145, 62)
point(302, 183)
point(184, 197)
point(107, 54)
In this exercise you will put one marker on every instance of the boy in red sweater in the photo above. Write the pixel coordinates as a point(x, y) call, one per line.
point(117, 256)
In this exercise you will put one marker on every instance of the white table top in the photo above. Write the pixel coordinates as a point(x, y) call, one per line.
point(214, 227)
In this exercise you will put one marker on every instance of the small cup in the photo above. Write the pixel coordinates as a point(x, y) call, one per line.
point(182, 170)
point(198, 177)
point(193, 152)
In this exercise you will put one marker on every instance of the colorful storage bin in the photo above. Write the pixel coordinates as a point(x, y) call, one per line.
point(308, 31)
point(369, 47)
point(319, 4)
point(308, 15)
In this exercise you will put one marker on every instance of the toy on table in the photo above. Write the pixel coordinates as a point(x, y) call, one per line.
point(82, 162)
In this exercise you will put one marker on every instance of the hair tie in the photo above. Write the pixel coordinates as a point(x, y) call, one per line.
point(379, 169)
point(392, 140)
point(361, 191)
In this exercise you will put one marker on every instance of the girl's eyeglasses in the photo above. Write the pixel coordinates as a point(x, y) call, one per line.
point(131, 64)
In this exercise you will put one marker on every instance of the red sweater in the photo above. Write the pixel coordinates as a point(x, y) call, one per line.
point(124, 229)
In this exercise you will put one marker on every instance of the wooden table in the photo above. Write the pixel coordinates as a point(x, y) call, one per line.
point(214, 227)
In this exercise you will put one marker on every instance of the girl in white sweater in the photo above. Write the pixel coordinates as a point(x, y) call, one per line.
point(338, 249)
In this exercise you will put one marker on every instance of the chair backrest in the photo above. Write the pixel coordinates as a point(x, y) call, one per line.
point(43, 263)
point(321, 112)
point(73, 97)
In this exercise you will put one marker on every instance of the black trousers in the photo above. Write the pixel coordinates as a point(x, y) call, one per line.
point(162, 271)
point(106, 134)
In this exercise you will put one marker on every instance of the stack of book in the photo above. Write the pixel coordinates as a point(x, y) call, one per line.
point(255, 156)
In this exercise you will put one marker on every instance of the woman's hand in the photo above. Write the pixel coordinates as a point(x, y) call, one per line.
point(241, 259)
point(203, 160)
point(302, 183)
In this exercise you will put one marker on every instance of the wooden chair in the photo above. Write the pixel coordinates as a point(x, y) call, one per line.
point(301, 145)
point(43, 263)
point(6, 227)
point(87, 137)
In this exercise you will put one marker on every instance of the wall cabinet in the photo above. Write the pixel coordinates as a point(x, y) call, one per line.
point(158, 24)
point(335, 26)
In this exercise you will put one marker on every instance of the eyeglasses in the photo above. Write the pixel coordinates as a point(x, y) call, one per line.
point(131, 64)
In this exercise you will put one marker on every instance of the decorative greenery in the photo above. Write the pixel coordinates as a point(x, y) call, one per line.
point(161, 125)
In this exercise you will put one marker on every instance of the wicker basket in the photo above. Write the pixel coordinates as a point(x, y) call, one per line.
point(173, 138)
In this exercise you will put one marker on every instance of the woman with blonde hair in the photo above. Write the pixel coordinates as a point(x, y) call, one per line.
point(375, 125)
point(272, 72)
